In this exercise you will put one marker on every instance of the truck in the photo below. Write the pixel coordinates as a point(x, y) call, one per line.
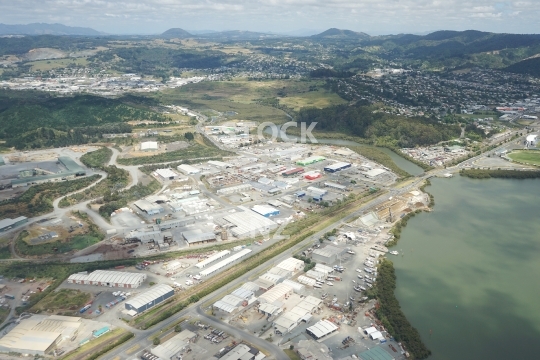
point(189, 282)
point(9, 296)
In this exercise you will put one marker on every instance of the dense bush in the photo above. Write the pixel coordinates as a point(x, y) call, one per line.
point(502, 174)
point(390, 314)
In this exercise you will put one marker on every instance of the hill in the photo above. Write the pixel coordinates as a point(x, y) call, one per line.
point(46, 29)
point(176, 33)
point(457, 49)
point(343, 34)
point(526, 67)
point(33, 119)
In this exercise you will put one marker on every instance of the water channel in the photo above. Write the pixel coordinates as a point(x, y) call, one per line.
point(467, 273)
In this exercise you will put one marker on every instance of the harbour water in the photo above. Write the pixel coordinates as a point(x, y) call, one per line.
point(467, 273)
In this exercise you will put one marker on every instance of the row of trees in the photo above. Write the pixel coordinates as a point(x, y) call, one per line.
point(502, 174)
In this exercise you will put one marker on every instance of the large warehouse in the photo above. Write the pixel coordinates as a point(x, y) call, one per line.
point(249, 223)
point(150, 298)
point(108, 278)
point(337, 167)
point(188, 169)
point(326, 255)
point(40, 335)
point(321, 329)
point(198, 237)
point(6, 224)
point(149, 146)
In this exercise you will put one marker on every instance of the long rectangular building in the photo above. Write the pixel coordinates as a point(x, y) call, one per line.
point(337, 167)
point(108, 278)
point(150, 298)
point(220, 265)
point(212, 258)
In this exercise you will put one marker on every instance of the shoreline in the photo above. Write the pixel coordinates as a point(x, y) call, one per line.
point(389, 311)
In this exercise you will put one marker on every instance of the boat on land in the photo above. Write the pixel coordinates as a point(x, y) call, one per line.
point(350, 252)
point(360, 276)
point(362, 288)
point(330, 283)
point(317, 286)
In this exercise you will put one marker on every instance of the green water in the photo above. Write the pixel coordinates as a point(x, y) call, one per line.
point(469, 270)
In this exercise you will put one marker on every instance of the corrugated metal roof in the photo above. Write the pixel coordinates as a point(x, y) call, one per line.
point(107, 276)
point(149, 296)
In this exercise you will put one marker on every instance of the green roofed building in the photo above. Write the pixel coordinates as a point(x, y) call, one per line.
point(71, 165)
point(376, 353)
point(310, 160)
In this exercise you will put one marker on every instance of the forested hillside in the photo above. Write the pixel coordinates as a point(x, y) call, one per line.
point(528, 67)
point(37, 119)
point(378, 127)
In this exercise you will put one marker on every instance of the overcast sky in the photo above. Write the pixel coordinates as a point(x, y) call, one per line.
point(371, 16)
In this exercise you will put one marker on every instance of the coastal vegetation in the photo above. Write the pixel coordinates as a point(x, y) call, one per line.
point(501, 174)
point(391, 315)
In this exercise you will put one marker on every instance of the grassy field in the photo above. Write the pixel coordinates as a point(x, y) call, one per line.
point(66, 301)
point(244, 97)
point(4, 312)
point(45, 65)
point(291, 354)
point(526, 157)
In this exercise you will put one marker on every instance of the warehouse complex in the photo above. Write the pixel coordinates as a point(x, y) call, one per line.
point(337, 167)
point(40, 335)
point(149, 299)
point(172, 347)
point(72, 170)
point(249, 223)
point(108, 278)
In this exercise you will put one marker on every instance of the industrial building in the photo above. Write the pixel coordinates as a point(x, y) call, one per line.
point(198, 237)
point(188, 169)
point(108, 278)
point(241, 351)
point(172, 348)
point(149, 146)
point(291, 264)
point(166, 174)
point(144, 237)
point(310, 160)
point(373, 173)
point(219, 164)
point(235, 189)
point(220, 265)
point(40, 335)
point(72, 171)
point(265, 210)
point(337, 167)
point(212, 258)
point(292, 172)
point(301, 312)
point(249, 223)
point(148, 207)
point(277, 293)
point(312, 175)
point(6, 224)
point(149, 299)
point(335, 186)
point(321, 329)
point(327, 255)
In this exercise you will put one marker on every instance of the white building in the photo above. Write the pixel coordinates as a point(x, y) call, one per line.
point(166, 174)
point(108, 278)
point(188, 169)
point(149, 146)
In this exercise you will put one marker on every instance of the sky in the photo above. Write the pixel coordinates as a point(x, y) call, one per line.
point(375, 17)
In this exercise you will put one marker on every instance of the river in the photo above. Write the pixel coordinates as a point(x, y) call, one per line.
point(468, 271)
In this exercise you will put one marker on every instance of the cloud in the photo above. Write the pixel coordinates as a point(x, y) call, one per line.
point(372, 16)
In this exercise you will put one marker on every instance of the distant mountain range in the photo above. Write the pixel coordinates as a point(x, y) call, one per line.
point(218, 35)
point(46, 29)
point(341, 34)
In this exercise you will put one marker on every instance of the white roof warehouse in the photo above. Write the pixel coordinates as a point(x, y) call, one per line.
point(108, 278)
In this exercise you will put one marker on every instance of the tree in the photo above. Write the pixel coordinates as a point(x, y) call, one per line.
point(156, 341)
point(177, 328)
point(189, 136)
